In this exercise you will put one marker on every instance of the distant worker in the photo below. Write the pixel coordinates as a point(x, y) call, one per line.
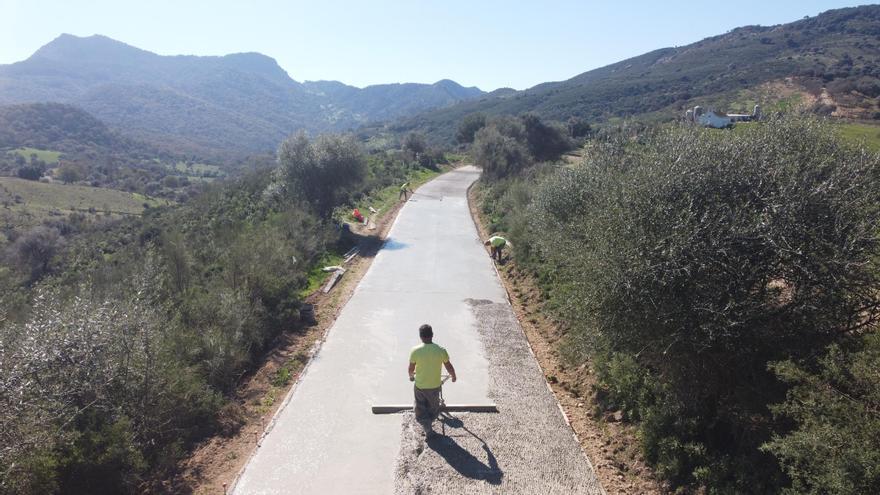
point(496, 244)
point(424, 370)
point(404, 188)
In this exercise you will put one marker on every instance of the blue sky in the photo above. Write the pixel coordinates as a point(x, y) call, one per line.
point(489, 43)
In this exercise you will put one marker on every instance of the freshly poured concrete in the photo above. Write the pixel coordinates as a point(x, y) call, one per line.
point(326, 440)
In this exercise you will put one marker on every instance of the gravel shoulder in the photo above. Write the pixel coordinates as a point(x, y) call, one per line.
point(527, 447)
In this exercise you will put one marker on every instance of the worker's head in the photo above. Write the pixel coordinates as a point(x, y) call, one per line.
point(426, 333)
point(487, 243)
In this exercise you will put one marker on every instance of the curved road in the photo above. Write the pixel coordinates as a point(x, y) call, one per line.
point(432, 269)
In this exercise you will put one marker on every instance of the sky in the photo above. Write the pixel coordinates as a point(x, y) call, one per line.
point(484, 43)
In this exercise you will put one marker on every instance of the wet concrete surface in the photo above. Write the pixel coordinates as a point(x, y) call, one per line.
point(525, 448)
point(431, 270)
point(326, 440)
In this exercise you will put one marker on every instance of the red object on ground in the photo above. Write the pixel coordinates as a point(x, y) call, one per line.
point(357, 215)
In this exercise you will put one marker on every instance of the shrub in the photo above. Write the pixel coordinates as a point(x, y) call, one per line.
point(833, 448)
point(545, 141)
point(34, 251)
point(30, 172)
point(499, 155)
point(415, 143)
point(704, 255)
point(469, 126)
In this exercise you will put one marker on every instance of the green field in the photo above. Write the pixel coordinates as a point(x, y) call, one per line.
point(198, 169)
point(24, 202)
point(852, 133)
point(45, 155)
point(861, 133)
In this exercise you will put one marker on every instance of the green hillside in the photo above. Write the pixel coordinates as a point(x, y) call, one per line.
point(25, 202)
point(828, 63)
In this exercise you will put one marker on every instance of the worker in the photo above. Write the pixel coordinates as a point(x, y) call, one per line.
point(496, 244)
point(424, 370)
point(404, 188)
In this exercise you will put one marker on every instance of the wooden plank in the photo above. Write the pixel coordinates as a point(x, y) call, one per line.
point(333, 279)
point(396, 408)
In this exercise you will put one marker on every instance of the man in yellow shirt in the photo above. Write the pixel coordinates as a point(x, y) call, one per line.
point(496, 244)
point(424, 369)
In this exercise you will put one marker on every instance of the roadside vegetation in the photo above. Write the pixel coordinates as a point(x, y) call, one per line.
point(724, 287)
point(122, 338)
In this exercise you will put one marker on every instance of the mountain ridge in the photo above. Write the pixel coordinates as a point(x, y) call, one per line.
point(240, 102)
point(835, 53)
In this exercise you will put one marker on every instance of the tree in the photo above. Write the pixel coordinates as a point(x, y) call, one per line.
point(499, 155)
point(322, 171)
point(415, 143)
point(469, 126)
point(578, 127)
point(545, 141)
point(33, 252)
point(68, 173)
point(30, 172)
point(700, 257)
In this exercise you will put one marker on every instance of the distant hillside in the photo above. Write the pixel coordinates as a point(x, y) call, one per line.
point(65, 137)
point(389, 101)
point(54, 126)
point(240, 102)
point(830, 62)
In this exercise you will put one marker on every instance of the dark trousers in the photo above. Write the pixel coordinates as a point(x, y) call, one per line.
point(496, 252)
point(427, 406)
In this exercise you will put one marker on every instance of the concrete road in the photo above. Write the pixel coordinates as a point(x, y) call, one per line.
point(326, 440)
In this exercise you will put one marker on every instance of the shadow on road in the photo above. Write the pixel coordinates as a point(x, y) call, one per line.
point(394, 245)
point(463, 461)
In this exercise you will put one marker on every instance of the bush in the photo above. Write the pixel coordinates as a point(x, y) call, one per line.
point(704, 255)
point(499, 155)
point(415, 143)
point(833, 448)
point(545, 141)
point(468, 128)
point(30, 172)
point(34, 251)
point(324, 170)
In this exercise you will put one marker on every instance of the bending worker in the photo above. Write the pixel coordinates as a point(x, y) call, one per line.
point(424, 370)
point(496, 244)
point(404, 188)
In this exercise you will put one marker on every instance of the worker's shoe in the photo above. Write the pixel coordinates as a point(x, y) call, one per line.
point(429, 432)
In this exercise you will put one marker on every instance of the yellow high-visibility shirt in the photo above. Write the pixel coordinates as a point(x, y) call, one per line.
point(497, 241)
point(428, 359)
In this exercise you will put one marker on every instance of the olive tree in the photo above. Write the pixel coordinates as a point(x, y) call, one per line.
point(700, 256)
point(499, 155)
point(323, 171)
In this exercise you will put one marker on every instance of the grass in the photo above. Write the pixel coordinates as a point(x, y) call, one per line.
point(866, 134)
point(33, 201)
point(383, 199)
point(317, 276)
point(50, 157)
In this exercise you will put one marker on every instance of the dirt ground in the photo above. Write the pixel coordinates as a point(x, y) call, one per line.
point(610, 444)
point(215, 463)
